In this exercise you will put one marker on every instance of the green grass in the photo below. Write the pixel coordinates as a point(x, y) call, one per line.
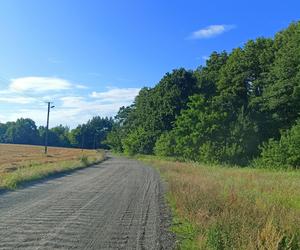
point(34, 171)
point(217, 207)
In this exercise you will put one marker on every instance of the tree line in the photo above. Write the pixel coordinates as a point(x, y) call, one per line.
point(89, 135)
point(240, 108)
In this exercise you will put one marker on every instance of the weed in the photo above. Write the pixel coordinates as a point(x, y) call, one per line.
point(232, 208)
point(84, 160)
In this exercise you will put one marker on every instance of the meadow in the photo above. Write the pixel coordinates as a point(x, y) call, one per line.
point(21, 163)
point(232, 208)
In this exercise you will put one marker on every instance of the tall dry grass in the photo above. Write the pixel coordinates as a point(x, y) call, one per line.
point(21, 163)
point(14, 156)
point(232, 208)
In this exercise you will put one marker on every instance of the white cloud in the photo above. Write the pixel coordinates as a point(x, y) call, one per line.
point(69, 110)
point(38, 84)
point(72, 101)
point(25, 97)
point(116, 94)
point(17, 99)
point(84, 105)
point(211, 31)
point(34, 89)
point(80, 86)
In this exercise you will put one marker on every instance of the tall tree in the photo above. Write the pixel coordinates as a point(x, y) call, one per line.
point(23, 131)
point(283, 92)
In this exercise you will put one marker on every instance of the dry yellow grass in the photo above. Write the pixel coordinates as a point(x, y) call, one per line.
point(14, 156)
point(233, 208)
point(19, 163)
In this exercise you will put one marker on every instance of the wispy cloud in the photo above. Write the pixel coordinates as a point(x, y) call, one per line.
point(17, 99)
point(80, 86)
point(34, 89)
point(25, 97)
point(38, 84)
point(211, 31)
point(116, 94)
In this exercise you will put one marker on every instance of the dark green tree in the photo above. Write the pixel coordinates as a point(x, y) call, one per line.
point(23, 131)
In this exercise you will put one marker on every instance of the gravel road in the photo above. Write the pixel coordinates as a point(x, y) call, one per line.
point(117, 204)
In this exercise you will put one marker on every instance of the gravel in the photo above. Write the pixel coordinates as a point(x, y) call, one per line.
point(118, 204)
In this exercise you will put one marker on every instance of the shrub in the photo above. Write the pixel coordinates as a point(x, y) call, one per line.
point(284, 153)
point(165, 145)
point(84, 160)
point(138, 142)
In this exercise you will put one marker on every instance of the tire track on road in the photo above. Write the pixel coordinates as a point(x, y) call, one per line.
point(114, 205)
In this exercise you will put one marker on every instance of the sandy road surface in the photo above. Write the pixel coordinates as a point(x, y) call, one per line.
point(117, 204)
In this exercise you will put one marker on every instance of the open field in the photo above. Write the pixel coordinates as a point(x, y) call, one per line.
point(20, 163)
point(232, 208)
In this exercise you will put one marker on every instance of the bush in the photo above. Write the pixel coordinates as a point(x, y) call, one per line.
point(165, 145)
point(284, 153)
point(138, 142)
point(84, 160)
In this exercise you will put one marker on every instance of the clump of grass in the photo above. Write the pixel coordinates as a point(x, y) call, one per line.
point(232, 208)
point(33, 170)
point(84, 160)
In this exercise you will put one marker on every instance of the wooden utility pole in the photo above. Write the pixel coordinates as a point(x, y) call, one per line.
point(82, 138)
point(47, 127)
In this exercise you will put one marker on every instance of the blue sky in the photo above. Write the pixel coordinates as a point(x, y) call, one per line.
point(91, 57)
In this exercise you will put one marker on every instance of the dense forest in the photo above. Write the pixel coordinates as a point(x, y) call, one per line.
point(241, 108)
point(89, 135)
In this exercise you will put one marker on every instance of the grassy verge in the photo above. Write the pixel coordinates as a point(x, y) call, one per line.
point(31, 171)
point(232, 208)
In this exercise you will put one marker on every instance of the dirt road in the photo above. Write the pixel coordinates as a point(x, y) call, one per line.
point(117, 204)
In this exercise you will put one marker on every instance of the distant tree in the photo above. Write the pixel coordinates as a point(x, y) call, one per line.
point(90, 135)
point(23, 131)
point(57, 136)
point(93, 134)
point(3, 128)
point(122, 124)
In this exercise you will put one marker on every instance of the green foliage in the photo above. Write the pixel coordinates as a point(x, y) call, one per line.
point(208, 76)
point(224, 111)
point(138, 141)
point(165, 145)
point(84, 160)
point(57, 136)
point(195, 126)
point(217, 238)
point(114, 140)
point(153, 113)
point(90, 135)
point(22, 131)
point(282, 153)
point(121, 127)
point(283, 92)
